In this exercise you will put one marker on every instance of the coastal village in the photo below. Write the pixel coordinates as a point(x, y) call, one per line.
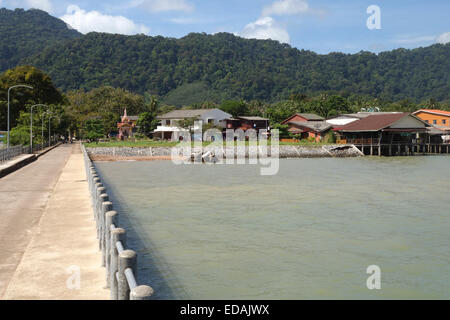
point(373, 133)
point(224, 156)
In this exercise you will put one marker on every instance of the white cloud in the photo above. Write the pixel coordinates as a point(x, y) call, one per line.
point(443, 38)
point(162, 5)
point(265, 28)
point(85, 22)
point(286, 7)
point(45, 5)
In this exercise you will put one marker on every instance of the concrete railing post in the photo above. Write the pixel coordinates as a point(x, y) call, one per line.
point(94, 181)
point(106, 207)
point(142, 293)
point(98, 207)
point(120, 264)
point(111, 219)
point(117, 234)
point(127, 259)
point(95, 195)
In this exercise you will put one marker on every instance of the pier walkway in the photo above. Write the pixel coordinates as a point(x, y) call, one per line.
point(47, 233)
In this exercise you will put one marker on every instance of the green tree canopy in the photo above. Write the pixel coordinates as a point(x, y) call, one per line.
point(147, 123)
point(106, 104)
point(94, 130)
point(22, 98)
point(235, 108)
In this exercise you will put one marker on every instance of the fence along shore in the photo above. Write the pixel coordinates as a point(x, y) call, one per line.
point(120, 263)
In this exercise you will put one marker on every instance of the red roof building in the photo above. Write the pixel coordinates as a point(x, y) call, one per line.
point(402, 130)
point(307, 125)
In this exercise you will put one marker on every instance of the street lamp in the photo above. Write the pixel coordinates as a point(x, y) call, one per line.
point(16, 86)
point(31, 124)
point(43, 116)
point(49, 127)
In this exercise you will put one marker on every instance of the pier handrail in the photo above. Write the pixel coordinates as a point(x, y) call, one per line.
point(15, 151)
point(120, 263)
point(12, 152)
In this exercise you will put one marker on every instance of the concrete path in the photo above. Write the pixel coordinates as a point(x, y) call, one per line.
point(61, 230)
point(23, 197)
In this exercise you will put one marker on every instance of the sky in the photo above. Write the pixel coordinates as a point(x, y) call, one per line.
point(321, 26)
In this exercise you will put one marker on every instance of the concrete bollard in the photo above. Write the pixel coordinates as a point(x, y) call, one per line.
point(92, 175)
point(142, 293)
point(111, 219)
point(94, 181)
point(117, 234)
point(98, 192)
point(127, 259)
point(106, 207)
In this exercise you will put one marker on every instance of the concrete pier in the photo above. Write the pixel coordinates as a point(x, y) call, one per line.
point(62, 260)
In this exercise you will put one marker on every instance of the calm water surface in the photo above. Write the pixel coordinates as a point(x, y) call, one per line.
point(310, 232)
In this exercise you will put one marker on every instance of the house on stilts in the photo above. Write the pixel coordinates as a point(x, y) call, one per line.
point(392, 134)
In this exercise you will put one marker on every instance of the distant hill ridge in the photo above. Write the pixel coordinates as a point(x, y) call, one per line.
point(24, 33)
point(215, 67)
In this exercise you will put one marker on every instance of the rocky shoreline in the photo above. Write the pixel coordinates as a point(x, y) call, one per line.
point(165, 153)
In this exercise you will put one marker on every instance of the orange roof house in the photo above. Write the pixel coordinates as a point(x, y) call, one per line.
point(438, 118)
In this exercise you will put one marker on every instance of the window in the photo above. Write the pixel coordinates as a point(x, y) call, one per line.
point(427, 121)
point(444, 121)
point(434, 121)
point(210, 120)
point(167, 122)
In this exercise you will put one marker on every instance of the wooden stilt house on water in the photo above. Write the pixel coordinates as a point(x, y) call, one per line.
point(391, 134)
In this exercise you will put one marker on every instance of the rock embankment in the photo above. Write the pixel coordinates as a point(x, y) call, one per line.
point(162, 153)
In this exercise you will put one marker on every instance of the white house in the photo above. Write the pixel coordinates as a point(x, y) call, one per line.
point(169, 121)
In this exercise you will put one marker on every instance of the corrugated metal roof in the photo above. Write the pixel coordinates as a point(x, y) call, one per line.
point(362, 115)
point(374, 122)
point(183, 114)
point(310, 116)
point(436, 131)
point(318, 126)
point(306, 116)
point(253, 118)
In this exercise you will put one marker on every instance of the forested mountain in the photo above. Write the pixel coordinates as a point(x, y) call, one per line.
point(202, 67)
point(24, 33)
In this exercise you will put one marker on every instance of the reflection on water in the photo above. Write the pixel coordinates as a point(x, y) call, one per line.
point(225, 232)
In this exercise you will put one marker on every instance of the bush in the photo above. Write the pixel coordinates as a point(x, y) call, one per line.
point(330, 137)
point(94, 130)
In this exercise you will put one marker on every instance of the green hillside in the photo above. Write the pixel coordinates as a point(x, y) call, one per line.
point(202, 67)
point(24, 33)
